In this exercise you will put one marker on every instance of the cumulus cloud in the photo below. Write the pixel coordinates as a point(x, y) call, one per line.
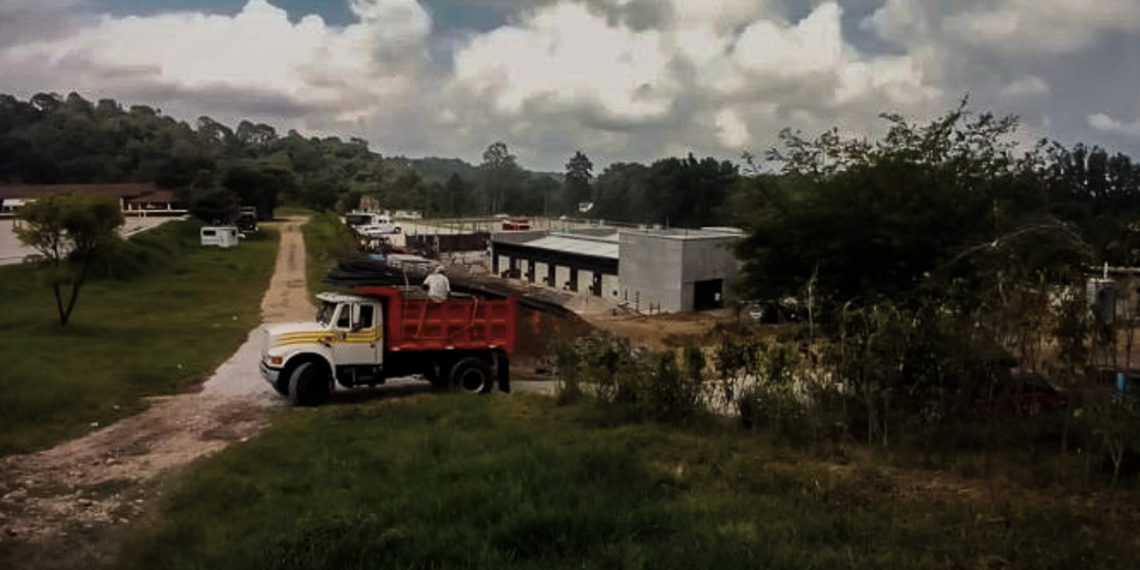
point(1044, 26)
point(710, 76)
point(620, 79)
point(1107, 124)
point(344, 72)
point(563, 57)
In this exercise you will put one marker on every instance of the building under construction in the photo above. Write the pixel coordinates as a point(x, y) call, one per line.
point(648, 270)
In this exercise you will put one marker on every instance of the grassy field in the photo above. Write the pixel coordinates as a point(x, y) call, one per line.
point(327, 240)
point(162, 318)
point(451, 481)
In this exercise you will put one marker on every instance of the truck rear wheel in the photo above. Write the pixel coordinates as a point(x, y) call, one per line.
point(472, 375)
point(308, 385)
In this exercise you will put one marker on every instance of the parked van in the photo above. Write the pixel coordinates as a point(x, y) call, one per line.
point(220, 236)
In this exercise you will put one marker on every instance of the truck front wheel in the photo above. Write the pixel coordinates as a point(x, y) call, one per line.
point(308, 385)
point(472, 375)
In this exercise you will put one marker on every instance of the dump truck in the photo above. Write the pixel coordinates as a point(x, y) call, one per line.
point(362, 339)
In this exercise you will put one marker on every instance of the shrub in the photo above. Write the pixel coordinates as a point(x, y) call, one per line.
point(646, 385)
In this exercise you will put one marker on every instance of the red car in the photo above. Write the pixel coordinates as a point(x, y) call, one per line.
point(516, 225)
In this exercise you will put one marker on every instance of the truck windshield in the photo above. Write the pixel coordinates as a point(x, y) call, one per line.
point(357, 219)
point(325, 312)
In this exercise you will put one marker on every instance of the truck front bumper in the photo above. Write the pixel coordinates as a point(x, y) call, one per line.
point(269, 373)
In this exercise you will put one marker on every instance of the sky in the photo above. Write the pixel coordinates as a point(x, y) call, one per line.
point(621, 80)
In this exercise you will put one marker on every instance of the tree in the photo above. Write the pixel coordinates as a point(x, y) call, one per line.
point(69, 232)
point(500, 175)
point(931, 211)
point(623, 193)
point(213, 205)
point(258, 184)
point(579, 174)
point(688, 192)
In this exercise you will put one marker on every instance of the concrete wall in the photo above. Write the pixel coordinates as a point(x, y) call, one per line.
point(585, 281)
point(661, 270)
point(611, 287)
point(540, 270)
point(518, 237)
point(561, 276)
point(650, 271)
point(705, 259)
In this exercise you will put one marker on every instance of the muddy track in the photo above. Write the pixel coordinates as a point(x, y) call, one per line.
point(67, 506)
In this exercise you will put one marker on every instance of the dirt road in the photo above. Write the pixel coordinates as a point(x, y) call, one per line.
point(63, 507)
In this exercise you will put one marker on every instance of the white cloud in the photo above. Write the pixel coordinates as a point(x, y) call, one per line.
point(1106, 124)
point(346, 72)
point(1026, 86)
point(814, 53)
point(814, 45)
point(564, 56)
point(731, 130)
point(711, 78)
point(1043, 26)
point(903, 22)
point(623, 79)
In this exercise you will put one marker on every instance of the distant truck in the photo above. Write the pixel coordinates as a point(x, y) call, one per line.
point(371, 225)
point(463, 343)
point(247, 219)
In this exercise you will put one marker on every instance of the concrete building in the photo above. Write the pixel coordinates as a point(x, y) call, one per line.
point(649, 270)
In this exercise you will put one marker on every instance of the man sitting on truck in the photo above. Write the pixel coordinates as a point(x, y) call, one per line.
point(438, 285)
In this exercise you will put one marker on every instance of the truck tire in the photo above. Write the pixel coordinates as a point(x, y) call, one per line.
point(308, 385)
point(281, 385)
point(472, 375)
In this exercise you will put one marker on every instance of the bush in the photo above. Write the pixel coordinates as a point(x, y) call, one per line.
point(646, 385)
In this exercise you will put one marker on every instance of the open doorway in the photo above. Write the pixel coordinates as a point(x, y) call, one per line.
point(708, 295)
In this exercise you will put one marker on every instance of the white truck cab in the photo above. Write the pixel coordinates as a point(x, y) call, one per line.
point(346, 337)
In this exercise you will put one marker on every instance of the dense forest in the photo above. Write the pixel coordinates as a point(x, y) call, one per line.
point(52, 139)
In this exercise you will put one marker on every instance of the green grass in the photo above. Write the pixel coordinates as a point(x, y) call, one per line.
point(454, 481)
point(171, 312)
point(327, 240)
point(284, 211)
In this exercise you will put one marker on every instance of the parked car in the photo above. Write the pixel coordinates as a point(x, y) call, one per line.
point(773, 311)
point(516, 225)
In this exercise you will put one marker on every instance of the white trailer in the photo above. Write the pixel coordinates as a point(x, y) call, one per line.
point(219, 236)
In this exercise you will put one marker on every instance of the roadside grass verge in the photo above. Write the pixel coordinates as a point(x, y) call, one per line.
point(453, 481)
point(163, 315)
point(327, 240)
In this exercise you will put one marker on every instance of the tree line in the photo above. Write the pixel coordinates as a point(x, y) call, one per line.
point(52, 139)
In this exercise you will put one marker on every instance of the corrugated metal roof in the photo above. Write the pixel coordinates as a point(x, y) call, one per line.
point(597, 247)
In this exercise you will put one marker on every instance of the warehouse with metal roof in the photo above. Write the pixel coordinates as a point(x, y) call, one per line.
point(648, 270)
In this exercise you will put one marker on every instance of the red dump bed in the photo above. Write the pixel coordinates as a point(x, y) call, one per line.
point(464, 323)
